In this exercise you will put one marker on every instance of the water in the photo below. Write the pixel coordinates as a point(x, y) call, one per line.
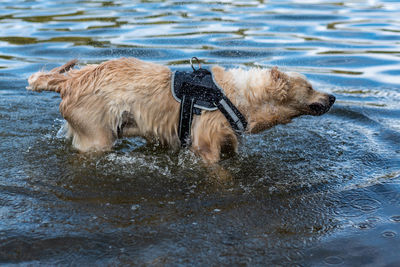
point(321, 191)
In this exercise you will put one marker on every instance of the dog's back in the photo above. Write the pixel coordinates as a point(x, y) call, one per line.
point(101, 102)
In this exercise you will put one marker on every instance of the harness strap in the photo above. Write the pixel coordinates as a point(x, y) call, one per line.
point(185, 120)
point(198, 91)
point(233, 115)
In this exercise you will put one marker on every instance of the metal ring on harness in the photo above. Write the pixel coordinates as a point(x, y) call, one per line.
point(198, 62)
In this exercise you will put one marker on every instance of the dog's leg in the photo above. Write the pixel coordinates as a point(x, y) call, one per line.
point(210, 137)
point(88, 130)
point(92, 140)
point(129, 127)
point(208, 148)
point(208, 154)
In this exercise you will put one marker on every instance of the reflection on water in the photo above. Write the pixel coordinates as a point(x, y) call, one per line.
point(319, 191)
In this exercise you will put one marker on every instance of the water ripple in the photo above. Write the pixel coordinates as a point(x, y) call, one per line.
point(292, 195)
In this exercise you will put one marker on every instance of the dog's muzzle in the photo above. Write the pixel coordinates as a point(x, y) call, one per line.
point(318, 108)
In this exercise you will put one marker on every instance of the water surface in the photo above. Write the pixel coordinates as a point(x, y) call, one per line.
point(320, 191)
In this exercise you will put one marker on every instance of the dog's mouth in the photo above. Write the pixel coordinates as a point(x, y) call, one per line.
point(317, 109)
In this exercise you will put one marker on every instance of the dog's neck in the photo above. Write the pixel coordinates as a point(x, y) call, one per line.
point(253, 92)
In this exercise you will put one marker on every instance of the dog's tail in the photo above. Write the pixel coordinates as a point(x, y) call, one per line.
point(52, 80)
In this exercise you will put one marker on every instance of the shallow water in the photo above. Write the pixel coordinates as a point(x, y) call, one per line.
point(321, 191)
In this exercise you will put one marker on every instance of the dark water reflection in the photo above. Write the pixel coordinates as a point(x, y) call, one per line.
point(318, 192)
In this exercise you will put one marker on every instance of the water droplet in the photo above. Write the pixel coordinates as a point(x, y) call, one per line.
point(364, 225)
point(272, 189)
point(389, 234)
point(395, 218)
point(373, 219)
point(217, 210)
point(333, 260)
point(135, 206)
point(366, 205)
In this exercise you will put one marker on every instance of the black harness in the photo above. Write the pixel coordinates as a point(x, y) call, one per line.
point(198, 91)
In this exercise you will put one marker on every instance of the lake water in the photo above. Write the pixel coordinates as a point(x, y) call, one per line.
point(321, 191)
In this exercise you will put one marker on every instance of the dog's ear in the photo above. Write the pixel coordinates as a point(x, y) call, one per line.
point(278, 76)
point(279, 82)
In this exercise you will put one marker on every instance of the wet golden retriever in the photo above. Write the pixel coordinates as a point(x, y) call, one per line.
point(130, 97)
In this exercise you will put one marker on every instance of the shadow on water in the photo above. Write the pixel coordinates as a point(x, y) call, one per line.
point(317, 192)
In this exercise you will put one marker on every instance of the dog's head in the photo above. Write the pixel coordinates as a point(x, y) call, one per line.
point(300, 94)
point(271, 97)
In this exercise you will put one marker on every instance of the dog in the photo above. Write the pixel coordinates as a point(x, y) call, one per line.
point(129, 97)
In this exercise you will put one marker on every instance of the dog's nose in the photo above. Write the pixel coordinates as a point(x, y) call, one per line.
point(332, 99)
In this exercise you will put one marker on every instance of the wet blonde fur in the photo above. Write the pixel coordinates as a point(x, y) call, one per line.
point(130, 97)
